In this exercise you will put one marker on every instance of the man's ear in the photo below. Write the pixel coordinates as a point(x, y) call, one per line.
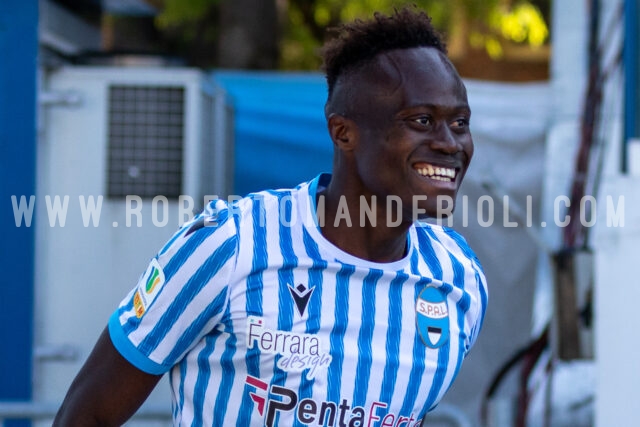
point(343, 132)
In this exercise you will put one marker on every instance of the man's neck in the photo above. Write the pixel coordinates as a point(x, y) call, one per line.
point(360, 227)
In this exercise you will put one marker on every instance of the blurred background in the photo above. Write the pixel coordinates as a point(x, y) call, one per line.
point(178, 101)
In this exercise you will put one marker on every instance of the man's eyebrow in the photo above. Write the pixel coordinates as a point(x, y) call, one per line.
point(464, 108)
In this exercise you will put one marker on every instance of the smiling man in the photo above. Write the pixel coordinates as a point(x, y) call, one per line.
point(400, 124)
point(326, 304)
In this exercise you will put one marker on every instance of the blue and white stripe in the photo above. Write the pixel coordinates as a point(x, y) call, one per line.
point(363, 314)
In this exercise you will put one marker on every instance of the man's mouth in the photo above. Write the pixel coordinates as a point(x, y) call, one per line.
point(439, 173)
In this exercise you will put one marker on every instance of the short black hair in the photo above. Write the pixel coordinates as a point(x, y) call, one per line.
point(360, 41)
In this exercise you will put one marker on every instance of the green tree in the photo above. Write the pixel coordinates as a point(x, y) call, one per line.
point(222, 33)
point(286, 34)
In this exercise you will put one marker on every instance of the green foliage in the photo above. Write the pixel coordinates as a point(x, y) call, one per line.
point(489, 23)
point(307, 21)
point(523, 23)
point(298, 46)
point(177, 13)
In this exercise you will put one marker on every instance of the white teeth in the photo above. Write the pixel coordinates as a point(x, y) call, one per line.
point(437, 173)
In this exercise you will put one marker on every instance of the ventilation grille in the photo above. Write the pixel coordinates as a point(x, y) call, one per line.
point(146, 132)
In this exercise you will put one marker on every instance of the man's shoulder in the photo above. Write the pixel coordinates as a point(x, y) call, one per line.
point(453, 241)
point(253, 208)
point(436, 231)
point(270, 201)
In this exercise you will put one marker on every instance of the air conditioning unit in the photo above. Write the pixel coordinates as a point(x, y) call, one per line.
point(125, 156)
point(164, 131)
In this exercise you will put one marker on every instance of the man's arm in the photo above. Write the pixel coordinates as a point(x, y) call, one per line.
point(107, 391)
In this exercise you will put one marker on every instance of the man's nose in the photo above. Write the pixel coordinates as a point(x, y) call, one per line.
point(444, 140)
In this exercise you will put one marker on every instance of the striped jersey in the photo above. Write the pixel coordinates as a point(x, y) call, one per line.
point(261, 321)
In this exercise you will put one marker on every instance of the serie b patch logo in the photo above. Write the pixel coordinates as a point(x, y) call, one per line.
point(432, 317)
point(148, 287)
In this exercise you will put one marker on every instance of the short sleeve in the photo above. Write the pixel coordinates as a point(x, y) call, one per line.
point(475, 282)
point(182, 294)
point(482, 298)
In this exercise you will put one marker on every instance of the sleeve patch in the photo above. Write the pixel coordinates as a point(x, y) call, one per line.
point(148, 287)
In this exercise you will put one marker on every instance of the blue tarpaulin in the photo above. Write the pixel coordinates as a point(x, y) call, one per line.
point(281, 136)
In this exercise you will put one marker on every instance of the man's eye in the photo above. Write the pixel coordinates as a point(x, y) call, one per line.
point(460, 123)
point(424, 120)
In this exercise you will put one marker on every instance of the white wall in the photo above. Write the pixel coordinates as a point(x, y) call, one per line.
point(615, 248)
point(83, 271)
point(617, 290)
point(617, 295)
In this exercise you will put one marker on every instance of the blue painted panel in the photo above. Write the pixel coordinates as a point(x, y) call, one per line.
point(18, 64)
point(632, 79)
point(281, 136)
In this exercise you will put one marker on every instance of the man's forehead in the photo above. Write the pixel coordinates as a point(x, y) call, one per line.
point(400, 72)
point(410, 58)
point(397, 67)
point(391, 70)
point(396, 79)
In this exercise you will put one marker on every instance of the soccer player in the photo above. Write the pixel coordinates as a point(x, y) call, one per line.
point(329, 304)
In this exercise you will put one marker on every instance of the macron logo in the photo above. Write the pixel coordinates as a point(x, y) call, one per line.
point(301, 295)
